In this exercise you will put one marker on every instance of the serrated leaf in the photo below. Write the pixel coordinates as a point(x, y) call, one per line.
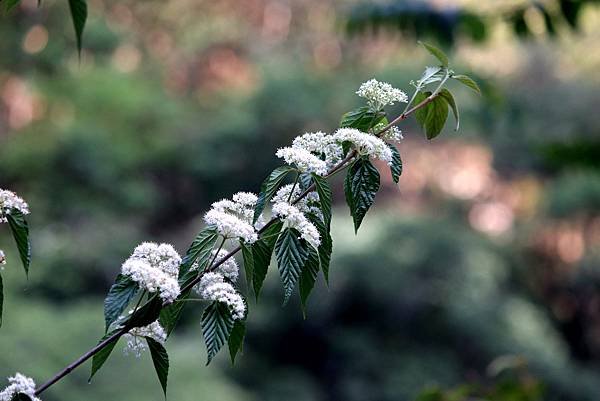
point(101, 356)
point(304, 181)
point(421, 113)
point(268, 188)
point(160, 359)
point(200, 250)
point(1, 299)
point(20, 231)
point(248, 262)
point(217, 324)
point(325, 197)
point(437, 53)
point(236, 339)
point(308, 276)
point(447, 96)
point(261, 255)
point(467, 81)
point(119, 296)
point(363, 118)
point(78, 10)
point(361, 186)
point(437, 114)
point(170, 315)
point(326, 247)
point(291, 253)
point(146, 314)
point(396, 166)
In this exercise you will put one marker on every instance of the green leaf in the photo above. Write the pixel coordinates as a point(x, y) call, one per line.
point(437, 113)
point(305, 181)
point(102, 355)
point(269, 187)
point(396, 166)
point(201, 250)
point(447, 96)
point(119, 296)
point(160, 358)
point(146, 314)
point(325, 197)
point(326, 247)
point(361, 186)
point(10, 4)
point(20, 230)
point(261, 255)
point(78, 15)
point(421, 113)
point(248, 262)
point(217, 324)
point(467, 81)
point(169, 315)
point(291, 253)
point(437, 53)
point(363, 118)
point(1, 299)
point(308, 276)
point(236, 339)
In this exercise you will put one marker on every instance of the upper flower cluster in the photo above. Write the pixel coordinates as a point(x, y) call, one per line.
point(365, 144)
point(10, 201)
point(155, 268)
point(19, 384)
point(380, 94)
point(213, 287)
point(233, 218)
point(136, 338)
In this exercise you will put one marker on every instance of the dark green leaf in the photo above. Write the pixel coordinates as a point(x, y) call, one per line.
point(325, 197)
point(291, 252)
point(261, 255)
point(1, 299)
point(326, 246)
point(146, 314)
point(437, 114)
point(119, 296)
point(363, 118)
point(102, 355)
point(269, 187)
point(78, 15)
point(421, 113)
point(396, 166)
point(467, 81)
point(160, 358)
point(217, 324)
point(169, 315)
point(20, 230)
point(236, 339)
point(308, 276)
point(437, 53)
point(361, 186)
point(200, 250)
point(447, 96)
point(248, 262)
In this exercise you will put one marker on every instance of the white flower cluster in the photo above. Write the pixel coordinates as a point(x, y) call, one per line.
point(308, 204)
point(9, 201)
point(135, 338)
point(393, 134)
point(155, 268)
point(213, 287)
point(294, 218)
point(321, 144)
point(19, 384)
point(233, 218)
point(365, 144)
point(228, 268)
point(304, 160)
point(2, 259)
point(380, 94)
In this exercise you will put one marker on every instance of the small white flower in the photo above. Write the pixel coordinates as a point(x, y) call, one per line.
point(163, 257)
point(320, 144)
point(151, 279)
point(380, 94)
point(228, 268)
point(9, 201)
point(231, 226)
point(2, 259)
point(19, 384)
point(136, 338)
point(393, 134)
point(308, 204)
point(213, 287)
point(365, 144)
point(304, 160)
point(294, 218)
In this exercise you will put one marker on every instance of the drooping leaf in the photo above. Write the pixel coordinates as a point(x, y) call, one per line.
point(1, 299)
point(169, 315)
point(363, 118)
point(20, 231)
point(447, 96)
point(248, 262)
point(119, 296)
point(261, 255)
point(200, 250)
point(467, 81)
point(325, 197)
point(361, 186)
point(437, 114)
point(102, 355)
point(326, 247)
point(268, 188)
point(421, 113)
point(217, 324)
point(79, 16)
point(396, 166)
point(291, 253)
point(236, 339)
point(160, 359)
point(437, 53)
point(308, 276)
point(146, 314)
